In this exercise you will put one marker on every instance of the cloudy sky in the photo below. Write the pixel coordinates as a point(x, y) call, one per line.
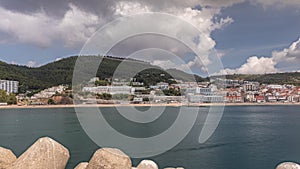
point(257, 36)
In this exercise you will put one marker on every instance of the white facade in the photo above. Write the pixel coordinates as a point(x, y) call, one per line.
point(251, 86)
point(94, 79)
point(47, 93)
point(205, 98)
point(163, 85)
point(274, 86)
point(199, 90)
point(109, 89)
point(9, 86)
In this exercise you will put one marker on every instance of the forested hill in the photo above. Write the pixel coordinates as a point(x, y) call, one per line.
point(274, 78)
point(61, 72)
point(40, 77)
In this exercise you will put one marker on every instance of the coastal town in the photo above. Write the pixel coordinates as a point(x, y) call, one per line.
point(123, 91)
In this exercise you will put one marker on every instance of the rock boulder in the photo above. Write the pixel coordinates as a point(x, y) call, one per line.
point(109, 158)
point(7, 157)
point(45, 153)
point(82, 165)
point(147, 164)
point(288, 165)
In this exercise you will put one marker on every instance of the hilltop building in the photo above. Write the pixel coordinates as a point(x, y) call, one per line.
point(48, 93)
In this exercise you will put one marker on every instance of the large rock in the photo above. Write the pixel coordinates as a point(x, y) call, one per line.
point(288, 165)
point(109, 158)
point(82, 165)
point(45, 153)
point(147, 164)
point(7, 157)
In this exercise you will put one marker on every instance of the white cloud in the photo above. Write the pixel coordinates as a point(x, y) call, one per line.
point(124, 8)
point(160, 6)
point(203, 19)
point(167, 64)
point(254, 65)
point(221, 53)
point(14, 63)
point(32, 64)
point(289, 55)
point(40, 29)
point(27, 28)
point(58, 59)
point(77, 26)
point(223, 22)
point(221, 3)
point(287, 59)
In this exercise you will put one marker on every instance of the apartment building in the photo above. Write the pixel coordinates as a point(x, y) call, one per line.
point(9, 86)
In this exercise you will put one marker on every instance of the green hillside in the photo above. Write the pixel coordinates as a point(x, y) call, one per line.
point(274, 78)
point(61, 72)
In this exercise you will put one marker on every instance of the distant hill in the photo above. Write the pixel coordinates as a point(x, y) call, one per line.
point(274, 78)
point(61, 72)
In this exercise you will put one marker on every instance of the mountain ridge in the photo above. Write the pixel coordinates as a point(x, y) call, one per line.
point(61, 72)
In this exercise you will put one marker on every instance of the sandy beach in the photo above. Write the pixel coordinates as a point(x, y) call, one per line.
point(147, 105)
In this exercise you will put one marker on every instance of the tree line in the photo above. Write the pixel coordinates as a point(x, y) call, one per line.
point(7, 98)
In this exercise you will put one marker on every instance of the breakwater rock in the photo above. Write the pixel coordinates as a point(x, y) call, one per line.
point(46, 153)
point(288, 165)
point(7, 157)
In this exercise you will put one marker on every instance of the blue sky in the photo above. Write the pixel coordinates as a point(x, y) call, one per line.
point(256, 31)
point(256, 37)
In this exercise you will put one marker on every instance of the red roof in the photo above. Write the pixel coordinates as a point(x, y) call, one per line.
point(260, 97)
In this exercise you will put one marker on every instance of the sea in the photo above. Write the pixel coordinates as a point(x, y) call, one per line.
point(247, 137)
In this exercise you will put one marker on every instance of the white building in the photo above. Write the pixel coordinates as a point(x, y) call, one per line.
point(47, 93)
point(253, 86)
point(109, 89)
point(201, 90)
point(275, 86)
point(205, 98)
point(94, 79)
point(9, 86)
point(163, 85)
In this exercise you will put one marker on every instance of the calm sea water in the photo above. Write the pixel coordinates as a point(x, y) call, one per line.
point(248, 137)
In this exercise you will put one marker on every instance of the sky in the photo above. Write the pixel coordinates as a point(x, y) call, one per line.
point(249, 37)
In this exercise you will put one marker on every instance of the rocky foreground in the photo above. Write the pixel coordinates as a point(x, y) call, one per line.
point(46, 153)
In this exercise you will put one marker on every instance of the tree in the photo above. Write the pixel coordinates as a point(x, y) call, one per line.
point(7, 98)
point(30, 94)
point(51, 101)
point(11, 99)
point(57, 94)
point(120, 97)
point(101, 83)
point(107, 96)
point(172, 92)
point(104, 96)
point(146, 99)
point(3, 96)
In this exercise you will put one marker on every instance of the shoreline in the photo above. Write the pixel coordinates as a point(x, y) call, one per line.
point(149, 105)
